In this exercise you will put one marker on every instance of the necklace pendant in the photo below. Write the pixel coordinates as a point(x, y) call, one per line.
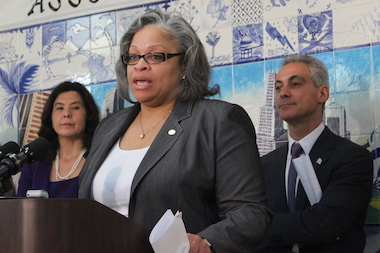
point(142, 129)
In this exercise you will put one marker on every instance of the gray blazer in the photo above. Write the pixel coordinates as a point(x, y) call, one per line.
point(209, 170)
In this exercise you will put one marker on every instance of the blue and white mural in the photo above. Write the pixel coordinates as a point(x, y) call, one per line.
point(245, 41)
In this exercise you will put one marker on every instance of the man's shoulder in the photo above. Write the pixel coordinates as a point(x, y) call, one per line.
point(328, 137)
point(330, 144)
point(279, 151)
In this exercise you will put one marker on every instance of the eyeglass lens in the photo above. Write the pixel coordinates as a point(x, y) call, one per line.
point(151, 58)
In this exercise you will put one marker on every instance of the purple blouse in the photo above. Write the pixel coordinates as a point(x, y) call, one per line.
point(36, 176)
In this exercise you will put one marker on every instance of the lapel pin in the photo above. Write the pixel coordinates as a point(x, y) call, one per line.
point(319, 161)
point(171, 132)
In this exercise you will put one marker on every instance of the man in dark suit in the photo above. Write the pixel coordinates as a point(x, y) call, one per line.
point(342, 171)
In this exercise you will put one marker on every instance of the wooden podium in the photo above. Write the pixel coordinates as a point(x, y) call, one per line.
point(67, 225)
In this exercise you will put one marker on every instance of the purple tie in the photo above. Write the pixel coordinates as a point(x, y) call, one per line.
point(296, 151)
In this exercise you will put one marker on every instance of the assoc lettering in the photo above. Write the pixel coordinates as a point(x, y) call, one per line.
point(55, 5)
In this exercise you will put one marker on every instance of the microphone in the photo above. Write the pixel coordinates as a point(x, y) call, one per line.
point(34, 151)
point(9, 147)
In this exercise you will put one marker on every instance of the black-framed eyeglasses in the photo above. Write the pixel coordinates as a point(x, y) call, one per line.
point(150, 58)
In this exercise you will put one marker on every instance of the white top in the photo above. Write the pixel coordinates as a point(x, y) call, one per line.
point(112, 183)
point(307, 144)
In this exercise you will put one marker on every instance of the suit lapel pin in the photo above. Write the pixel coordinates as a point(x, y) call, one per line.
point(319, 161)
point(171, 132)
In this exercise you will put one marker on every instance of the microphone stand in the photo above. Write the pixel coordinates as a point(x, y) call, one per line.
point(7, 187)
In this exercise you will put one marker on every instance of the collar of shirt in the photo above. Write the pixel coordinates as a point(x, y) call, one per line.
point(308, 141)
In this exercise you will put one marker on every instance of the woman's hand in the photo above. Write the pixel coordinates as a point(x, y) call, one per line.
point(198, 244)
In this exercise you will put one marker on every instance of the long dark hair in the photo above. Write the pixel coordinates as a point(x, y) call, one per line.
point(92, 117)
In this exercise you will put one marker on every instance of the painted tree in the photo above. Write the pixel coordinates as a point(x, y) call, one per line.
point(212, 39)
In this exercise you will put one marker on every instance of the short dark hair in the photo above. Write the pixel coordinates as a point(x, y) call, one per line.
point(92, 117)
point(318, 71)
point(197, 70)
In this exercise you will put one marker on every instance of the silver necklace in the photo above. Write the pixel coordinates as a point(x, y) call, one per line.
point(75, 165)
point(142, 129)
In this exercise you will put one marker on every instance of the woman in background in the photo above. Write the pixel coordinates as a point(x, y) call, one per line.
point(68, 122)
point(175, 149)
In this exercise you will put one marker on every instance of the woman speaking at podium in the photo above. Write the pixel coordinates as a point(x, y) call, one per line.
point(175, 149)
